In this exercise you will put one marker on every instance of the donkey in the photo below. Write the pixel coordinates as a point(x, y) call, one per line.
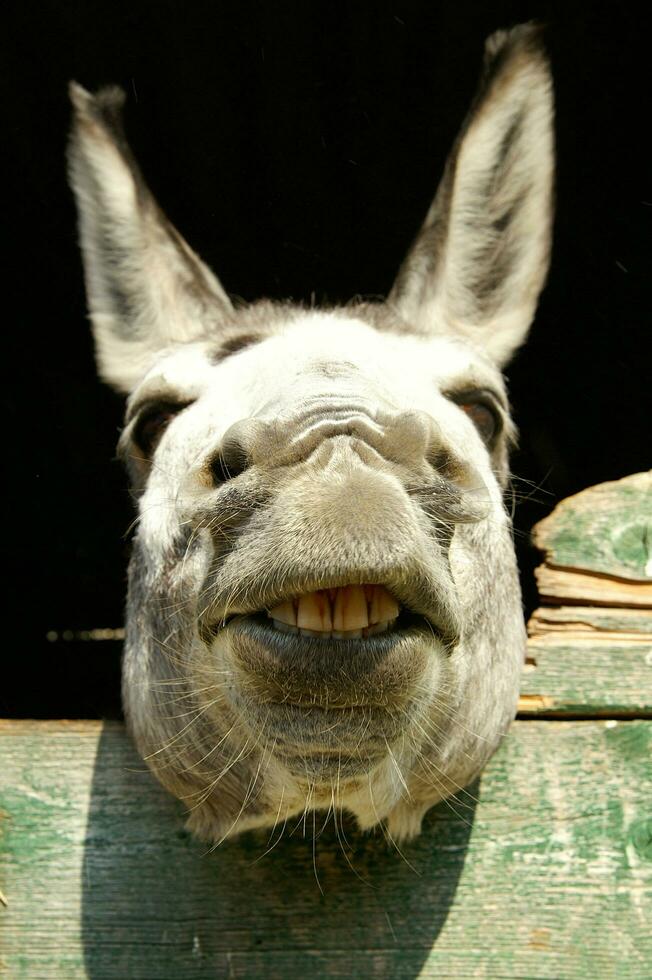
point(323, 606)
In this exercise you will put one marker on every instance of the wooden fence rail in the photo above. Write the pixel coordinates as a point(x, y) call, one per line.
point(542, 869)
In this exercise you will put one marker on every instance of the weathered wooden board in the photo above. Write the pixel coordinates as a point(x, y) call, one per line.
point(606, 529)
point(587, 676)
point(544, 870)
point(592, 657)
point(548, 876)
point(562, 586)
point(590, 622)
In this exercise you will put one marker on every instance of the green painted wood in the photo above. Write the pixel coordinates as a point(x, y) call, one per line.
point(590, 677)
point(549, 875)
point(595, 620)
point(605, 529)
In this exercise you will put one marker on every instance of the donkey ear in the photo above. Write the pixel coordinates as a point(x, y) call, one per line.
point(146, 288)
point(480, 260)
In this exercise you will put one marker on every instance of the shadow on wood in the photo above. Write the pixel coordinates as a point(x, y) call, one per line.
point(156, 903)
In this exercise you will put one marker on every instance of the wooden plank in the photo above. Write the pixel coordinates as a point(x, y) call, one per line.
point(561, 586)
point(606, 529)
point(548, 876)
point(587, 676)
point(594, 622)
point(591, 655)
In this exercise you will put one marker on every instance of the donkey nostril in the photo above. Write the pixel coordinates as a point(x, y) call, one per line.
point(460, 473)
point(239, 449)
point(441, 461)
point(230, 462)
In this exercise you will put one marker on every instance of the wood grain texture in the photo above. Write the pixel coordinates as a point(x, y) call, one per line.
point(591, 655)
point(562, 586)
point(590, 622)
point(549, 875)
point(606, 529)
point(587, 676)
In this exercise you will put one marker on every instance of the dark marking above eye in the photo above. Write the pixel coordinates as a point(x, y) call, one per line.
point(233, 345)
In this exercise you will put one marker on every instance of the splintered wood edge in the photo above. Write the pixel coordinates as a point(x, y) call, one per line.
point(592, 624)
point(60, 726)
point(535, 704)
point(565, 586)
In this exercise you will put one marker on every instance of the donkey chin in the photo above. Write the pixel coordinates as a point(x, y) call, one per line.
point(323, 608)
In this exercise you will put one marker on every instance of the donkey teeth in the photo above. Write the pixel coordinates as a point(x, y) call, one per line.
point(350, 612)
point(314, 612)
point(333, 634)
point(382, 606)
point(345, 610)
point(284, 613)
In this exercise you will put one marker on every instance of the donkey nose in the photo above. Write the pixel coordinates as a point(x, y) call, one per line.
point(407, 437)
point(400, 436)
point(239, 448)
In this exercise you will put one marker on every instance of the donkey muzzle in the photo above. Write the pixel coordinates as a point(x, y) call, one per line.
point(325, 706)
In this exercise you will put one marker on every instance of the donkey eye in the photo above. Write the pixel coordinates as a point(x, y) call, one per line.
point(152, 424)
point(480, 404)
point(483, 417)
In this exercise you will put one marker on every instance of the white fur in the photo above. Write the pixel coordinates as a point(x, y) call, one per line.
point(479, 189)
point(359, 466)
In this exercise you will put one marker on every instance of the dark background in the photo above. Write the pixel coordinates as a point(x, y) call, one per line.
point(297, 147)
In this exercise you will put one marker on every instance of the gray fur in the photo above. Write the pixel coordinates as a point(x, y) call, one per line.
point(319, 448)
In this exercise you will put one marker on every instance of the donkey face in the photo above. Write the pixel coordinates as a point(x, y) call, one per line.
point(323, 604)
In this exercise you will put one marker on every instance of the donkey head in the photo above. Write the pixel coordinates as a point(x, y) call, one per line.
point(323, 606)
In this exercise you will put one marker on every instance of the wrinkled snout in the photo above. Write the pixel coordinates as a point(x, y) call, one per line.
point(333, 607)
point(380, 434)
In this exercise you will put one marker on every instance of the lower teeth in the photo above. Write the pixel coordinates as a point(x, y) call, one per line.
point(333, 634)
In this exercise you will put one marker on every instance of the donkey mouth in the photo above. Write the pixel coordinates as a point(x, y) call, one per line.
point(320, 697)
point(347, 612)
point(329, 673)
point(339, 613)
point(365, 613)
